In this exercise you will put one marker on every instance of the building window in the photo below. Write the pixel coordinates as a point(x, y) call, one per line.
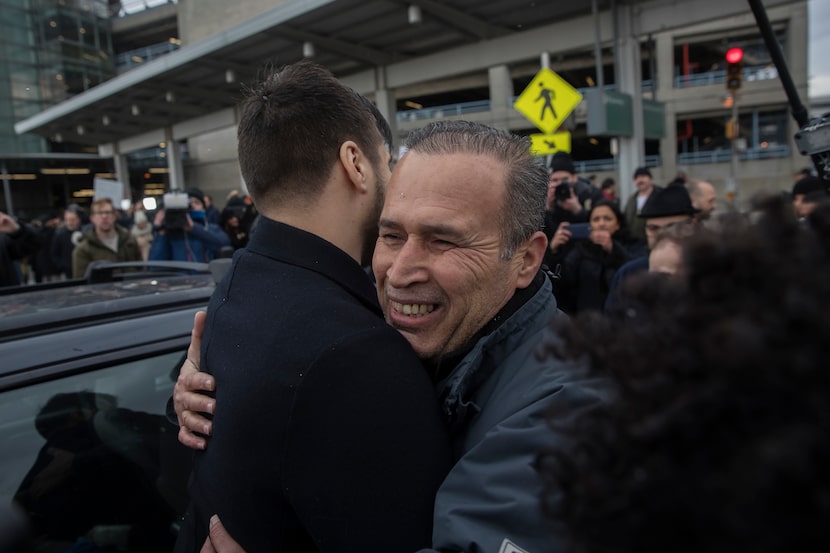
point(703, 62)
point(703, 140)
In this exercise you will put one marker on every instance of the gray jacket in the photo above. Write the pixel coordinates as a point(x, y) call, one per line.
point(490, 500)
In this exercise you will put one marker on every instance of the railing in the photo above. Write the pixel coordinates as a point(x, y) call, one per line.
point(689, 158)
point(754, 73)
point(609, 164)
point(437, 112)
point(478, 106)
point(128, 60)
point(724, 155)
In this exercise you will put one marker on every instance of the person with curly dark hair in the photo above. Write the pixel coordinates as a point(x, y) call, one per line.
point(714, 436)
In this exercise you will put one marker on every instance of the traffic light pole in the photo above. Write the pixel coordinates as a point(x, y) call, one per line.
point(732, 188)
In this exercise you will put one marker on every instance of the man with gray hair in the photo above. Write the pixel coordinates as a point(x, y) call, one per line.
point(704, 198)
point(457, 266)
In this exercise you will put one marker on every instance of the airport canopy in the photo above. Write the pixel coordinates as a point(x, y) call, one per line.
point(348, 37)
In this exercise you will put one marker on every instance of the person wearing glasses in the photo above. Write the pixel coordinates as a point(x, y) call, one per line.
point(666, 208)
point(105, 241)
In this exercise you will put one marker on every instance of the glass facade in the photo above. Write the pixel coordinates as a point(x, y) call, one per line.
point(50, 50)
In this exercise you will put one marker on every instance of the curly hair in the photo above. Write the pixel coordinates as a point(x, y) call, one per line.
point(716, 436)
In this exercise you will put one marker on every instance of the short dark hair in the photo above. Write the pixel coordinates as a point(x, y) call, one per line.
point(291, 128)
point(714, 433)
point(526, 177)
point(642, 172)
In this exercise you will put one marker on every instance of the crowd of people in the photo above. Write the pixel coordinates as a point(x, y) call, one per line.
point(531, 367)
point(56, 247)
point(540, 408)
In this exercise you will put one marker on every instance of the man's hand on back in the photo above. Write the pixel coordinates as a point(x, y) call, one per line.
point(188, 402)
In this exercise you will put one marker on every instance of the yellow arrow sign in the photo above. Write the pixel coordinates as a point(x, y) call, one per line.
point(547, 101)
point(544, 144)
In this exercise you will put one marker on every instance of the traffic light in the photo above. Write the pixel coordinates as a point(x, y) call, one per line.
point(734, 68)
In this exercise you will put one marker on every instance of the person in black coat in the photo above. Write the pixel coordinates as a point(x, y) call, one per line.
point(66, 238)
point(354, 448)
point(589, 267)
point(17, 241)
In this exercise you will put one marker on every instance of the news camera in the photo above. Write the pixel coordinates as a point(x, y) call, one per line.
point(562, 192)
point(176, 206)
point(813, 139)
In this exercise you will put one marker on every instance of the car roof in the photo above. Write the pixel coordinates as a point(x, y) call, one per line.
point(75, 322)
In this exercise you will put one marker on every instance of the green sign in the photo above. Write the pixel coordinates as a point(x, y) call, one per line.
point(654, 119)
point(610, 114)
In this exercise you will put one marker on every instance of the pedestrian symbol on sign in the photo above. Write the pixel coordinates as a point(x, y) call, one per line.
point(546, 94)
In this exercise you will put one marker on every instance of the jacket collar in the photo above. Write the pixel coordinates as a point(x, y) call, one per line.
point(303, 249)
point(458, 390)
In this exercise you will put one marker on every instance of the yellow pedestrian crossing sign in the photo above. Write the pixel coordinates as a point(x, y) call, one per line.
point(544, 144)
point(547, 101)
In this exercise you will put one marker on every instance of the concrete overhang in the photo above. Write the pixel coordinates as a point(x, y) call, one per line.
point(352, 38)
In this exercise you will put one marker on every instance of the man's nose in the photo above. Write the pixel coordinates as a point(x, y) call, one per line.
point(409, 265)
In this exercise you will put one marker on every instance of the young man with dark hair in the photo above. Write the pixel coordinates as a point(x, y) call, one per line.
point(354, 448)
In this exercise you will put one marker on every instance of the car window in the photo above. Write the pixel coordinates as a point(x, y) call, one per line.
point(92, 458)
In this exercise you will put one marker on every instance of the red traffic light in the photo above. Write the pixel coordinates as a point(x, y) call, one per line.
point(734, 55)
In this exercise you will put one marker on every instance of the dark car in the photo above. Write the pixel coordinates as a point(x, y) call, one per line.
point(86, 370)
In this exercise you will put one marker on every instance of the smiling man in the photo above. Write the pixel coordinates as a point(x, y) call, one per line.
point(439, 266)
point(457, 265)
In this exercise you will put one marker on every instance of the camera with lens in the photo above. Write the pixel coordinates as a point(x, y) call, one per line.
point(176, 206)
point(562, 192)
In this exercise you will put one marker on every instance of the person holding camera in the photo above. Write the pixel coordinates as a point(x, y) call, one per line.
point(183, 232)
point(569, 200)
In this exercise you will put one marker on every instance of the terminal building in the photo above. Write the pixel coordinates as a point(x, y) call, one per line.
point(145, 91)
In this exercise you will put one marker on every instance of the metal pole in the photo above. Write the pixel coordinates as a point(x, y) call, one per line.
point(799, 111)
point(733, 171)
point(7, 191)
point(597, 46)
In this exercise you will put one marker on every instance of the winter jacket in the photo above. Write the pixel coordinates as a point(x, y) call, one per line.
point(636, 224)
point(14, 247)
point(587, 272)
point(62, 246)
point(200, 244)
point(92, 249)
point(354, 446)
point(489, 502)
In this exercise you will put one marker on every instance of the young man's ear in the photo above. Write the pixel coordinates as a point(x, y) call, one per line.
point(529, 255)
point(355, 164)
